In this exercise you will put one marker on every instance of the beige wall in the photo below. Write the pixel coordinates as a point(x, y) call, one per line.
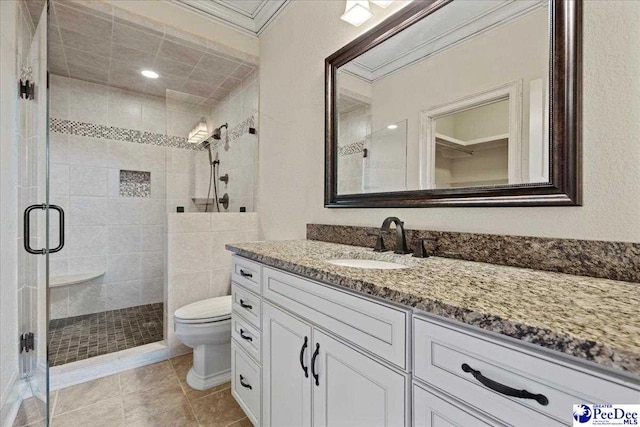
point(292, 53)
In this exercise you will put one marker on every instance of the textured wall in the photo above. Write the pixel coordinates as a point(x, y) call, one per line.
point(237, 150)
point(292, 53)
point(107, 231)
point(198, 265)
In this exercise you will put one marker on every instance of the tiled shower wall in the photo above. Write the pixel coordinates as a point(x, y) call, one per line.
point(123, 235)
point(239, 153)
point(355, 126)
point(199, 266)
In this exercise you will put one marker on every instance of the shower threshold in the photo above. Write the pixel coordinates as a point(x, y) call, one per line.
point(82, 337)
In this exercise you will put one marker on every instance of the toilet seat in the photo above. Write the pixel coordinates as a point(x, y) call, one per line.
point(206, 311)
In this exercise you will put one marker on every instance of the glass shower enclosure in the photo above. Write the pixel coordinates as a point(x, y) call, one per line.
point(35, 213)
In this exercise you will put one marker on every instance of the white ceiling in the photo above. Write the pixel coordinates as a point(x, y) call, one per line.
point(445, 28)
point(251, 16)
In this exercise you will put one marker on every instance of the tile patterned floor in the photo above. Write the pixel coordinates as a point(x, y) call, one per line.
point(81, 337)
point(151, 396)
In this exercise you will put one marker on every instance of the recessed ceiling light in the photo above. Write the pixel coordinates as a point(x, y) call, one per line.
point(392, 127)
point(150, 74)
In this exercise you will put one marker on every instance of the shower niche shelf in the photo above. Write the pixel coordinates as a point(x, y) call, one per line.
point(73, 279)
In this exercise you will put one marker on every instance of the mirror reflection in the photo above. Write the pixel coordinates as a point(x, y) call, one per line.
point(459, 99)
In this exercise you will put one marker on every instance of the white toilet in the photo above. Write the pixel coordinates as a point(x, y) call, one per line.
point(205, 326)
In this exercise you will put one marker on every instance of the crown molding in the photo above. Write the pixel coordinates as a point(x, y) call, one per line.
point(252, 23)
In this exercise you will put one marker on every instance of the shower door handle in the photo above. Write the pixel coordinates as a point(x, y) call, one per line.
point(26, 237)
point(60, 229)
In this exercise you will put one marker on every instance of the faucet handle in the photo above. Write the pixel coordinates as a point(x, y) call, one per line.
point(380, 247)
point(419, 250)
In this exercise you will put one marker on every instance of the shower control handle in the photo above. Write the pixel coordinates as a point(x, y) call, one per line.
point(245, 305)
point(245, 274)
point(245, 337)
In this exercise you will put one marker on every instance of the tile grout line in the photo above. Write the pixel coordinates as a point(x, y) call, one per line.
point(184, 392)
point(230, 424)
point(122, 414)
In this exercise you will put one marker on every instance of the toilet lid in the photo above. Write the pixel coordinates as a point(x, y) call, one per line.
point(212, 309)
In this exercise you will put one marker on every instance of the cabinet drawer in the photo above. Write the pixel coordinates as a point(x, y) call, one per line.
point(246, 304)
point(245, 384)
point(246, 273)
point(375, 327)
point(440, 350)
point(431, 409)
point(247, 337)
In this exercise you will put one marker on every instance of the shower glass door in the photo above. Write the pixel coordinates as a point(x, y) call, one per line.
point(32, 188)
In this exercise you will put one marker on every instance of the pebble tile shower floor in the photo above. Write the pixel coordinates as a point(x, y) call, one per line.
point(82, 337)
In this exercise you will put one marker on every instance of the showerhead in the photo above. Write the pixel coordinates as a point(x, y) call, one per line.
point(217, 132)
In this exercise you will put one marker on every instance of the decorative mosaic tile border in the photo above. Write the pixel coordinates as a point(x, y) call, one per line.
point(237, 131)
point(242, 128)
point(92, 130)
point(135, 184)
point(354, 148)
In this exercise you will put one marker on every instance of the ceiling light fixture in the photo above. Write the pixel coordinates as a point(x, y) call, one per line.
point(356, 12)
point(382, 3)
point(199, 133)
point(150, 74)
point(392, 127)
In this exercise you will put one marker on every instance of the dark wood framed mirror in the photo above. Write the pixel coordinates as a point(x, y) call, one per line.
point(458, 103)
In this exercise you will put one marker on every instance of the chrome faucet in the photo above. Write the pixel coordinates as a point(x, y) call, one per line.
point(401, 239)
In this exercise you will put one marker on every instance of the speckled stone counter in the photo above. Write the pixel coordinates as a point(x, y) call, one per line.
point(590, 318)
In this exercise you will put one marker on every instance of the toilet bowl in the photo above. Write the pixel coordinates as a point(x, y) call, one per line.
point(205, 326)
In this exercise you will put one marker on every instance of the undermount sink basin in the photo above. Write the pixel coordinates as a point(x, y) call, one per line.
point(367, 263)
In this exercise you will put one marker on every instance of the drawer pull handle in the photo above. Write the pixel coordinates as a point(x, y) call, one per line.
point(243, 384)
point(245, 305)
point(313, 364)
point(503, 389)
point(245, 274)
point(305, 369)
point(245, 337)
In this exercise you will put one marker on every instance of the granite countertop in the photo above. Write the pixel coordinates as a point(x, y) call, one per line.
point(590, 318)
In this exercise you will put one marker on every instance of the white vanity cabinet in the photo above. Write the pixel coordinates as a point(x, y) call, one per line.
point(308, 354)
point(433, 409)
point(312, 378)
point(329, 357)
point(355, 390)
point(286, 395)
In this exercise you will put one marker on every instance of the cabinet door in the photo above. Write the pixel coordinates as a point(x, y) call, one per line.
point(286, 397)
point(430, 409)
point(353, 390)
